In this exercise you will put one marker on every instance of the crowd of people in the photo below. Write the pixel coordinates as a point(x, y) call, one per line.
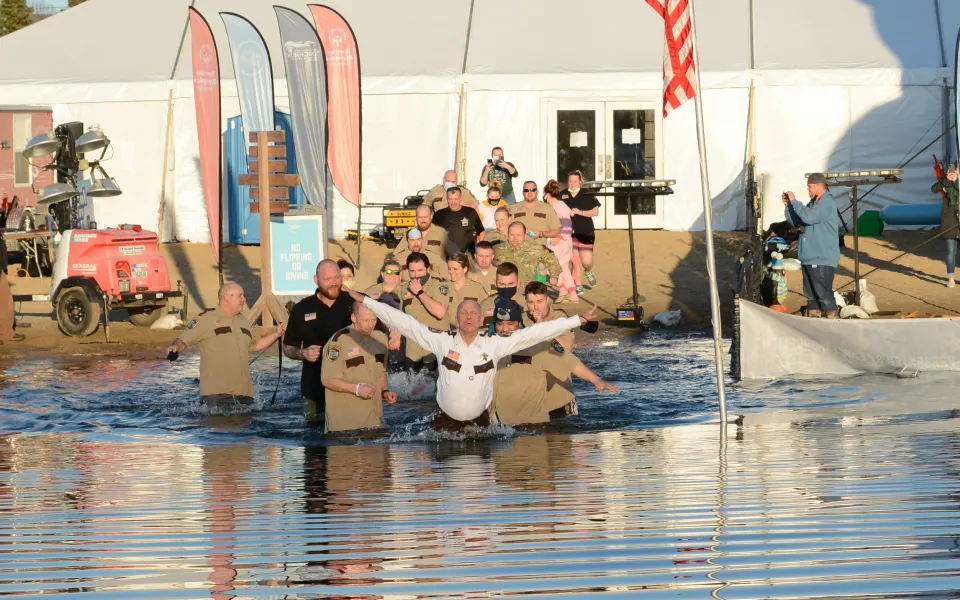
point(464, 297)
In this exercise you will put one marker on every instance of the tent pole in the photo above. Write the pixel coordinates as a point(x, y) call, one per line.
point(163, 182)
point(708, 227)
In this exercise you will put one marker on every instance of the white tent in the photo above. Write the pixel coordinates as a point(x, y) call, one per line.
point(837, 84)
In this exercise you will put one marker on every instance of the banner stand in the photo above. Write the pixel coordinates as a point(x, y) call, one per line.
point(270, 189)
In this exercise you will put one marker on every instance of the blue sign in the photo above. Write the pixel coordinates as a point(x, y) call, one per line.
point(297, 244)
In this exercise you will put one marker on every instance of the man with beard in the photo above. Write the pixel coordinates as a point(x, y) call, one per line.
point(312, 323)
point(414, 239)
point(434, 237)
point(426, 299)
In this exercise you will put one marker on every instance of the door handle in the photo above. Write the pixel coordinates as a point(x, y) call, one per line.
point(610, 174)
point(600, 165)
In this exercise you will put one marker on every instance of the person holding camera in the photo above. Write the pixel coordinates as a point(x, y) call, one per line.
point(819, 245)
point(949, 217)
point(500, 171)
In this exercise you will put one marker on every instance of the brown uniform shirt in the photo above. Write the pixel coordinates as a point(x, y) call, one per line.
point(376, 290)
point(539, 217)
point(488, 280)
point(439, 290)
point(435, 240)
point(437, 197)
point(354, 358)
point(225, 344)
point(557, 364)
point(495, 238)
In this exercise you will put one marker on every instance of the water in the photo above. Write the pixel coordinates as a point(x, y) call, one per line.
point(113, 485)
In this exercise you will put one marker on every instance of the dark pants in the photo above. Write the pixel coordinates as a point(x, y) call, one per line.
point(227, 402)
point(818, 287)
point(443, 421)
point(314, 412)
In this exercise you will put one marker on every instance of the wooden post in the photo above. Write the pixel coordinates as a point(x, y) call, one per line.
point(264, 174)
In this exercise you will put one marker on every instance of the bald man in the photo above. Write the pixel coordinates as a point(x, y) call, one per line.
point(313, 321)
point(436, 198)
point(354, 375)
point(226, 340)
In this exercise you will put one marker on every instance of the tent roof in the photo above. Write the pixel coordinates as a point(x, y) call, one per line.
point(429, 37)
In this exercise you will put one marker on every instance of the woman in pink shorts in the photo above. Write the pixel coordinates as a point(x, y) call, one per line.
point(562, 246)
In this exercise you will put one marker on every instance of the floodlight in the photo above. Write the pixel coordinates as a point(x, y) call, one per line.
point(104, 188)
point(57, 192)
point(41, 145)
point(92, 141)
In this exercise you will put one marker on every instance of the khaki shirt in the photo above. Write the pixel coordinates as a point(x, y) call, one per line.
point(376, 290)
point(470, 290)
point(438, 266)
point(354, 358)
point(439, 290)
point(527, 258)
point(558, 365)
point(437, 198)
point(225, 345)
point(534, 382)
point(488, 280)
point(495, 238)
point(435, 240)
point(538, 217)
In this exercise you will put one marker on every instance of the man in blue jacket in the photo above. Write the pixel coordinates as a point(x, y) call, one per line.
point(819, 244)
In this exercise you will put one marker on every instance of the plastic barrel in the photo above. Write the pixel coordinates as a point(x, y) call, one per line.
point(869, 224)
point(912, 214)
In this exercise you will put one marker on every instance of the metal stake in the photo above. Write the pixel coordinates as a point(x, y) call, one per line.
point(633, 256)
point(856, 250)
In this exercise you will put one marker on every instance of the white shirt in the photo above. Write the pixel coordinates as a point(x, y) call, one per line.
point(488, 215)
point(466, 372)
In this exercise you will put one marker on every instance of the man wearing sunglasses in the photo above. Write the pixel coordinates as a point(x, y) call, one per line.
point(538, 217)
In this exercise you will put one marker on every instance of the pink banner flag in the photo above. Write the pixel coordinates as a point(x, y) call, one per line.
point(206, 95)
point(343, 90)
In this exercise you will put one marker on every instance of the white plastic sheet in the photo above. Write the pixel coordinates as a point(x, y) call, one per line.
point(774, 345)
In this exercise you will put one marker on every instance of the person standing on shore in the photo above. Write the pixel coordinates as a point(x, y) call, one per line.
point(819, 246)
point(313, 321)
point(950, 218)
point(501, 172)
point(583, 207)
point(226, 339)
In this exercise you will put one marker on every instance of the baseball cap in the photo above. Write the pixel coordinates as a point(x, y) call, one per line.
point(414, 234)
point(508, 311)
point(816, 178)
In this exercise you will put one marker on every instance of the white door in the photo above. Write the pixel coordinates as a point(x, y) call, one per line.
point(606, 141)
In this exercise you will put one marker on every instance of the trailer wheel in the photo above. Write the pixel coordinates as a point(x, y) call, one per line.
point(77, 316)
point(146, 316)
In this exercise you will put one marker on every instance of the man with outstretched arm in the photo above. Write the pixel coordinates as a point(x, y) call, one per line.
point(468, 358)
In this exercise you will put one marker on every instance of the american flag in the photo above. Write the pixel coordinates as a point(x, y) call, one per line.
point(678, 67)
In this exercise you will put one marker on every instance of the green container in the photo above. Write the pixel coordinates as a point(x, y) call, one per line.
point(870, 224)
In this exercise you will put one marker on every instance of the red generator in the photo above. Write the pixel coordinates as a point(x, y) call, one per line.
point(107, 269)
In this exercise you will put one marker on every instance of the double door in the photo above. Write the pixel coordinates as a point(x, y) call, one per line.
point(608, 140)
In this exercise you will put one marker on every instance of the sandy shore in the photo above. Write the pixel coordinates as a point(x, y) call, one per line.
point(671, 272)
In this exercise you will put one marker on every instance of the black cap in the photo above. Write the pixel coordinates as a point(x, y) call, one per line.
point(508, 311)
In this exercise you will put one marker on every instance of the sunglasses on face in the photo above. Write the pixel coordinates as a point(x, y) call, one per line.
point(391, 271)
point(530, 189)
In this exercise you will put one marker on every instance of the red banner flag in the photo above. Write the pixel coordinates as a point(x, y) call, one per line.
point(206, 96)
point(678, 67)
point(343, 90)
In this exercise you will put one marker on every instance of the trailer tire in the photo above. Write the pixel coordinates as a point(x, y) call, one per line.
point(77, 315)
point(146, 316)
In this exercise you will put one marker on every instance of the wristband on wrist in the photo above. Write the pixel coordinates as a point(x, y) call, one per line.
point(357, 391)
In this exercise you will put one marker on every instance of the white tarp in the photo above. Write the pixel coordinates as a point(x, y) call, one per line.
point(839, 84)
point(774, 345)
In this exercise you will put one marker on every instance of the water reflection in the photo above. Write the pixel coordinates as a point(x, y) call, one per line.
point(851, 505)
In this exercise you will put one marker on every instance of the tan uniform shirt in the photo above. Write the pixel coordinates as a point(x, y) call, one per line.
point(225, 344)
point(435, 240)
point(354, 358)
point(470, 290)
point(538, 217)
point(437, 198)
point(495, 238)
point(437, 289)
point(535, 381)
point(438, 266)
point(488, 280)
